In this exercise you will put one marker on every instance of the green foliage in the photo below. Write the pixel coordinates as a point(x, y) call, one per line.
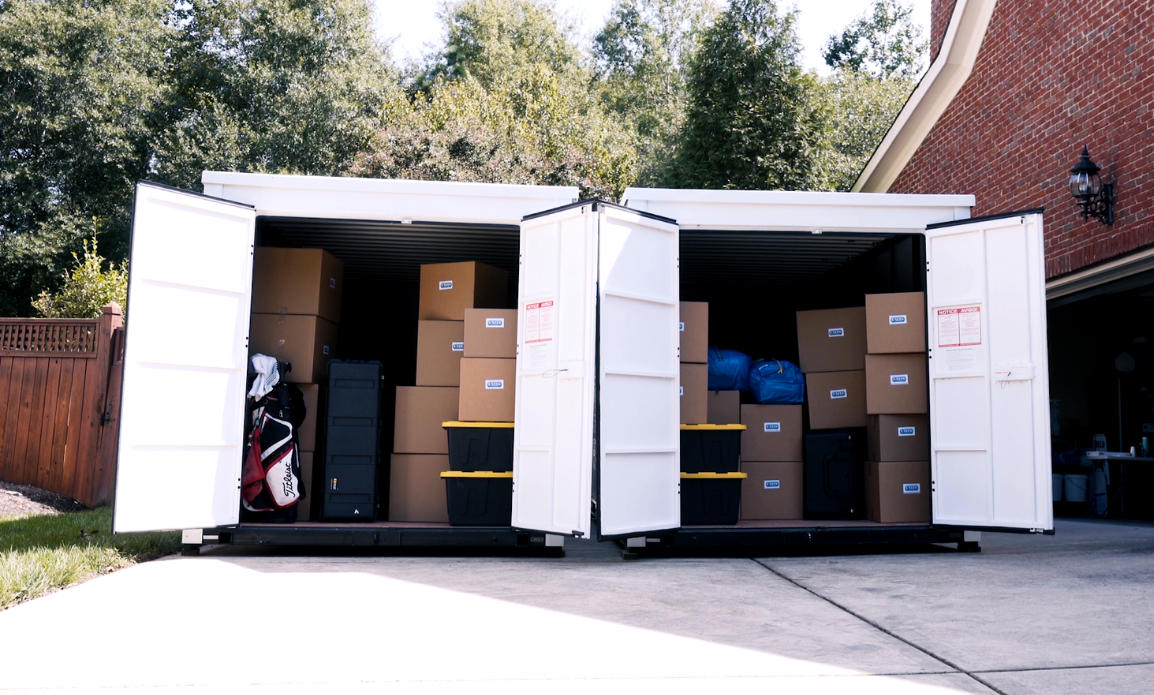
point(277, 86)
point(861, 108)
point(42, 553)
point(506, 101)
point(86, 289)
point(883, 43)
point(641, 57)
point(752, 120)
point(79, 80)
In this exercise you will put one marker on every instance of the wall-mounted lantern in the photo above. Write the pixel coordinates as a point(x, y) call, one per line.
point(1095, 198)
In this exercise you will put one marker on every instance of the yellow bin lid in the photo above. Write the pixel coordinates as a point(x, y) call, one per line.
point(456, 423)
point(715, 476)
point(476, 474)
point(713, 427)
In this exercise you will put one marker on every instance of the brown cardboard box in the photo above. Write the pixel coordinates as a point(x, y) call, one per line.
point(416, 490)
point(307, 432)
point(297, 281)
point(772, 490)
point(723, 407)
point(420, 412)
point(694, 394)
point(694, 332)
point(898, 492)
point(308, 342)
point(896, 384)
point(491, 333)
point(899, 438)
point(895, 322)
point(773, 432)
point(440, 347)
point(836, 399)
point(305, 505)
point(831, 340)
point(488, 390)
point(447, 289)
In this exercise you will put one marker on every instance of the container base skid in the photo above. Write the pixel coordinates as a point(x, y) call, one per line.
point(385, 535)
point(793, 535)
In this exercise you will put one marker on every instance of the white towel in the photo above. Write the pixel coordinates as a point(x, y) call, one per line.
point(267, 376)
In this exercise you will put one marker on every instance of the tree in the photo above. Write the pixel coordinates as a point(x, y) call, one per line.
point(505, 101)
point(641, 57)
point(79, 80)
point(752, 120)
point(86, 289)
point(277, 86)
point(861, 108)
point(883, 43)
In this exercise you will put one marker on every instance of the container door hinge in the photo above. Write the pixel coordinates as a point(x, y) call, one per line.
point(578, 534)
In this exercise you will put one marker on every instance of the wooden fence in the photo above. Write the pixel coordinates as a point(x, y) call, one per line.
point(60, 403)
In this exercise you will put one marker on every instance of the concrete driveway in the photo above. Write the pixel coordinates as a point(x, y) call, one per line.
point(1072, 613)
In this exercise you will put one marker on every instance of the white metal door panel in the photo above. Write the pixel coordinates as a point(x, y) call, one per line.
point(556, 351)
point(186, 351)
point(989, 385)
point(639, 468)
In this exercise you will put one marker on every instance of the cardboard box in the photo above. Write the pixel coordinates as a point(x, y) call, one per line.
point(694, 332)
point(898, 492)
point(491, 333)
point(899, 438)
point(836, 399)
point(416, 490)
point(723, 407)
point(831, 340)
point(772, 490)
point(420, 412)
point(773, 433)
point(440, 347)
point(896, 384)
point(307, 432)
point(895, 322)
point(447, 289)
point(308, 342)
point(695, 394)
point(307, 282)
point(305, 505)
point(488, 390)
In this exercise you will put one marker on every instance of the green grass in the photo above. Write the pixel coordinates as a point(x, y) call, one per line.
point(41, 553)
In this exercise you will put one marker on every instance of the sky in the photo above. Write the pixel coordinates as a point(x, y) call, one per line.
point(413, 23)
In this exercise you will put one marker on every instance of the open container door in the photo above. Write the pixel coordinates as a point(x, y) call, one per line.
point(639, 414)
point(989, 386)
point(185, 362)
point(556, 359)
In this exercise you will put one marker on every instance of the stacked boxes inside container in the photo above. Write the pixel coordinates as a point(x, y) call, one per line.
point(898, 470)
point(455, 381)
point(296, 310)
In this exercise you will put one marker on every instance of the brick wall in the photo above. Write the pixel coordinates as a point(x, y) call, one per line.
point(940, 13)
point(1053, 75)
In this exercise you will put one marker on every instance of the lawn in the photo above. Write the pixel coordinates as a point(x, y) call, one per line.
point(42, 553)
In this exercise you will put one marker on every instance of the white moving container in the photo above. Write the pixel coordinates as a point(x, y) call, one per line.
point(597, 438)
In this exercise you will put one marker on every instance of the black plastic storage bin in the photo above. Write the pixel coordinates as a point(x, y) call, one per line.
point(479, 498)
point(480, 446)
point(834, 479)
point(711, 448)
point(354, 394)
point(351, 441)
point(711, 499)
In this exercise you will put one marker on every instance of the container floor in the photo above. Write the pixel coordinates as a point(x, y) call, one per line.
point(808, 523)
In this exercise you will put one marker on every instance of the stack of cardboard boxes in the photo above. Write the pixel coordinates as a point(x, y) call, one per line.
point(831, 347)
point(296, 309)
point(466, 364)
point(771, 456)
point(898, 472)
point(694, 342)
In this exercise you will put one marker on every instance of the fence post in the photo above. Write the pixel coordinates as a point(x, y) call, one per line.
point(93, 461)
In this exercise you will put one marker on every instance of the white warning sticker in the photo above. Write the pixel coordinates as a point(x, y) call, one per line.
point(959, 339)
point(539, 333)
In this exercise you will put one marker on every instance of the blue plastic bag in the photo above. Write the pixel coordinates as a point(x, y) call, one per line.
point(728, 370)
point(775, 381)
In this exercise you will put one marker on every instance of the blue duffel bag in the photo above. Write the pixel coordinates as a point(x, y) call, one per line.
point(775, 381)
point(728, 370)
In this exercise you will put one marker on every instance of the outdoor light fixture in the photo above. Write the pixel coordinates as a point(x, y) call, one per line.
point(1095, 198)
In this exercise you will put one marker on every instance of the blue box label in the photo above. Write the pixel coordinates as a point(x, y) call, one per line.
point(912, 489)
point(772, 484)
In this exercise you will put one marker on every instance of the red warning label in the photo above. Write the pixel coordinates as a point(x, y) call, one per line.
point(961, 327)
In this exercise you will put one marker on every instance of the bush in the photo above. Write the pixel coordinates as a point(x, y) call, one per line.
point(86, 289)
